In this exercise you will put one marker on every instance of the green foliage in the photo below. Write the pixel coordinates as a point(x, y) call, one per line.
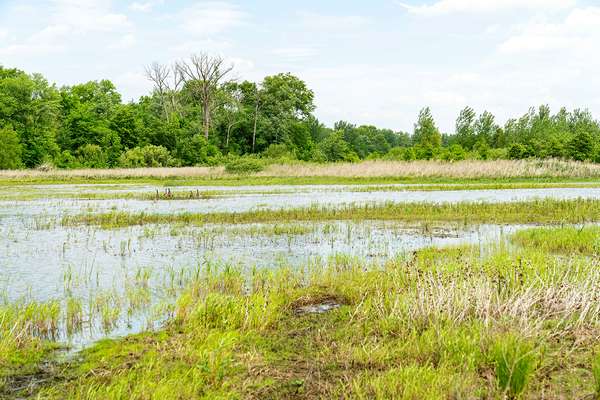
point(581, 147)
point(273, 117)
point(147, 156)
point(454, 153)
point(519, 151)
point(515, 361)
point(66, 160)
point(196, 150)
point(244, 165)
point(426, 132)
point(10, 149)
point(335, 148)
point(92, 156)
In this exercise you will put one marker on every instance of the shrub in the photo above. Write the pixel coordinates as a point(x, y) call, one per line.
point(515, 361)
point(91, 156)
point(518, 151)
point(66, 160)
point(454, 153)
point(10, 149)
point(498, 154)
point(276, 151)
point(147, 156)
point(196, 150)
point(581, 147)
point(335, 148)
point(244, 165)
point(482, 148)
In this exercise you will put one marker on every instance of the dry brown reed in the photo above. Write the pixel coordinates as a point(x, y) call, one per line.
point(469, 169)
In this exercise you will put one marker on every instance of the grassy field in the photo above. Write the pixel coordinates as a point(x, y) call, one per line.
point(305, 173)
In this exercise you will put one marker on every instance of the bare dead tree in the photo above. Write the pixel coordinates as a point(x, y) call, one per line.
point(203, 73)
point(167, 81)
point(159, 75)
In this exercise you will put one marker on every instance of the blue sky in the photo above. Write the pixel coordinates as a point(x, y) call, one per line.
point(375, 62)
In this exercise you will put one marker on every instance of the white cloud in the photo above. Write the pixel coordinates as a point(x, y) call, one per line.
point(146, 6)
point(186, 48)
point(316, 21)
point(125, 42)
point(578, 34)
point(295, 52)
point(133, 82)
point(442, 7)
point(209, 18)
point(89, 15)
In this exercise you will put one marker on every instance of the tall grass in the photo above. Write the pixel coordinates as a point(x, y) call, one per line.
point(470, 169)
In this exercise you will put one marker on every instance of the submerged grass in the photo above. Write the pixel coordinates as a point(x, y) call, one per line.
point(436, 325)
point(547, 211)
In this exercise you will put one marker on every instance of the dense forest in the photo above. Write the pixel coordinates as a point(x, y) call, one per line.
point(197, 115)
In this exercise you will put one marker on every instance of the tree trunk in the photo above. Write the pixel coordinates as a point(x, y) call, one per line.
point(206, 119)
point(254, 131)
point(227, 140)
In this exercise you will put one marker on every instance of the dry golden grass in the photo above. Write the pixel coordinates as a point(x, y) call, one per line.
point(469, 169)
point(429, 169)
point(117, 173)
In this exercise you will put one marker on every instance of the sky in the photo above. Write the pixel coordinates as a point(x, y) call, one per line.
point(372, 62)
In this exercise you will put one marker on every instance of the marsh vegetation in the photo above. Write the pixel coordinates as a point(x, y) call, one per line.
point(150, 298)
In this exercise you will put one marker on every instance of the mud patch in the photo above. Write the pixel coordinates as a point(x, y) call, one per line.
point(317, 303)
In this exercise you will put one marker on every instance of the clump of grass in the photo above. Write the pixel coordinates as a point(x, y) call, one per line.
point(515, 361)
point(580, 240)
point(596, 373)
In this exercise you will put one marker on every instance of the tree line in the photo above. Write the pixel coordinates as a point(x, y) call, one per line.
point(197, 115)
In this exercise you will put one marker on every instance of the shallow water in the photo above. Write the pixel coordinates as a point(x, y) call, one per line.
point(248, 198)
point(40, 261)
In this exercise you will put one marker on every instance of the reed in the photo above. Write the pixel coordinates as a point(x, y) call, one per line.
point(469, 169)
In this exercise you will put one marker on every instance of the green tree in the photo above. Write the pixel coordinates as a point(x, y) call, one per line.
point(426, 132)
point(581, 147)
point(335, 148)
point(10, 149)
point(465, 130)
point(31, 106)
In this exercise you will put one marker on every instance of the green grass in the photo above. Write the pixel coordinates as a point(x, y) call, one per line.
point(299, 181)
point(24, 342)
point(566, 240)
point(440, 324)
point(515, 362)
point(25, 193)
point(546, 211)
